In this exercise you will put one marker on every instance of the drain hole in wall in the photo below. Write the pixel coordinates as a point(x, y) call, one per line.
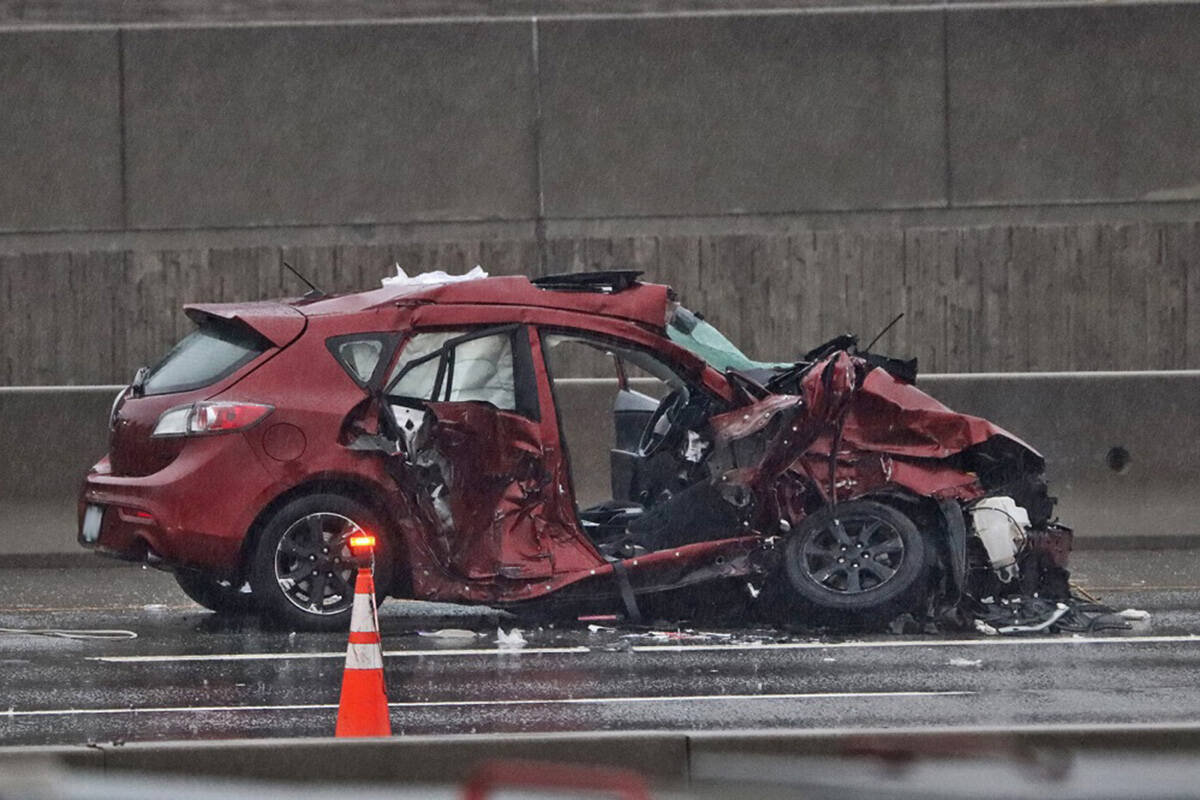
point(1118, 460)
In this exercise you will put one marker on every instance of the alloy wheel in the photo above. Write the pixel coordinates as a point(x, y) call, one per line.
point(852, 555)
point(313, 563)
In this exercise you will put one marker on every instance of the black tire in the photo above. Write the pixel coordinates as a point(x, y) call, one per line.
point(862, 564)
point(214, 593)
point(290, 566)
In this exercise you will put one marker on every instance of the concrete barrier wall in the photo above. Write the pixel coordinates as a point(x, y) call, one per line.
point(742, 114)
point(671, 758)
point(149, 165)
point(1074, 104)
point(49, 437)
point(60, 130)
point(329, 124)
point(1101, 296)
point(1079, 420)
point(1076, 420)
point(598, 117)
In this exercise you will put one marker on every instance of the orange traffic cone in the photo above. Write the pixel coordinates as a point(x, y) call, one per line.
point(363, 709)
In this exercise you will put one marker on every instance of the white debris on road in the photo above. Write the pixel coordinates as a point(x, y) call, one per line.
point(983, 627)
point(511, 640)
point(966, 662)
point(449, 633)
point(1134, 614)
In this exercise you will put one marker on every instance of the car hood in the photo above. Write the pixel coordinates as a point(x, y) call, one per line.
point(891, 416)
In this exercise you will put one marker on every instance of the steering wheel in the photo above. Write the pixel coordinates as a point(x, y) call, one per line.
point(653, 438)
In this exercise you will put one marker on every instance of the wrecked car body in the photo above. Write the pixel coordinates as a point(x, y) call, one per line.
point(824, 490)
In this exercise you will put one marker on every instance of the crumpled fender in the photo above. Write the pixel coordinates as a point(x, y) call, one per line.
point(829, 386)
point(887, 415)
point(890, 416)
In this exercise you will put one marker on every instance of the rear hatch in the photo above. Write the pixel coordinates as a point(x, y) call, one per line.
point(229, 342)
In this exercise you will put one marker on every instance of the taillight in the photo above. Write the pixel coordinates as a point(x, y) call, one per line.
point(207, 417)
point(221, 417)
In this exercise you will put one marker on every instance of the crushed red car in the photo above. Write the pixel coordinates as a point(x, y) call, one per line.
point(828, 489)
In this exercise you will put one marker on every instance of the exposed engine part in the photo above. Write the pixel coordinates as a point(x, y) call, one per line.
point(1001, 524)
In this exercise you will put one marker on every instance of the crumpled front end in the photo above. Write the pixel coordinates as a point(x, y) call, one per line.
point(976, 490)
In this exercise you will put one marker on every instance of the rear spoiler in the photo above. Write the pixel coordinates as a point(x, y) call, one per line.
point(275, 322)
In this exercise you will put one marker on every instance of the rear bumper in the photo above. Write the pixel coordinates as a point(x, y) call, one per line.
point(194, 513)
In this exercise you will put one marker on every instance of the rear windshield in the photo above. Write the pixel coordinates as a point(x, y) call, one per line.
point(211, 352)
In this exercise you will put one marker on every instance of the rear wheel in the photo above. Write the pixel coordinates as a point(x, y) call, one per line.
point(862, 563)
point(215, 594)
point(303, 572)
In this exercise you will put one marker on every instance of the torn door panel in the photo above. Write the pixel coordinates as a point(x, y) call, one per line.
point(481, 487)
point(494, 489)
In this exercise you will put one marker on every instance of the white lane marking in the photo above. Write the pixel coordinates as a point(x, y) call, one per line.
point(69, 712)
point(517, 702)
point(466, 651)
point(1190, 638)
point(511, 19)
point(681, 698)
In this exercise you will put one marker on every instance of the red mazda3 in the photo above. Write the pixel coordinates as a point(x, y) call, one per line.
point(464, 423)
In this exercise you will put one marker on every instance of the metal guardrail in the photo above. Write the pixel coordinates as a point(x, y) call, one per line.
point(1121, 448)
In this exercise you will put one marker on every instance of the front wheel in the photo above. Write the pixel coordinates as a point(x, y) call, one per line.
point(861, 563)
point(303, 572)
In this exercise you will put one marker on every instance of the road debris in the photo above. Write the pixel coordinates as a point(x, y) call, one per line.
point(450, 633)
point(60, 633)
point(514, 639)
point(985, 629)
point(966, 662)
point(1134, 614)
point(680, 636)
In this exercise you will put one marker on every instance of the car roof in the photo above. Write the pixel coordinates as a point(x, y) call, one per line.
point(644, 303)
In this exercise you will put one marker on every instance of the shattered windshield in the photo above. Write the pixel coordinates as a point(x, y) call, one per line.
point(688, 330)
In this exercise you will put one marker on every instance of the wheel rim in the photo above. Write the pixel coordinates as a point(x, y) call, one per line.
point(313, 563)
point(852, 555)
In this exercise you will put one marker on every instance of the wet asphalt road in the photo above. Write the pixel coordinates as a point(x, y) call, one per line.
point(190, 674)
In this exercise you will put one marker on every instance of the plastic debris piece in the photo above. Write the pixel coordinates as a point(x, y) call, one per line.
point(598, 628)
point(680, 636)
point(1000, 524)
point(450, 633)
point(1059, 611)
point(512, 639)
point(433, 278)
point(69, 633)
point(984, 628)
point(966, 662)
point(1134, 613)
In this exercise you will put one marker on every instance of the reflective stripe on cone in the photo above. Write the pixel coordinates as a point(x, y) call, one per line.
point(363, 708)
point(363, 656)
